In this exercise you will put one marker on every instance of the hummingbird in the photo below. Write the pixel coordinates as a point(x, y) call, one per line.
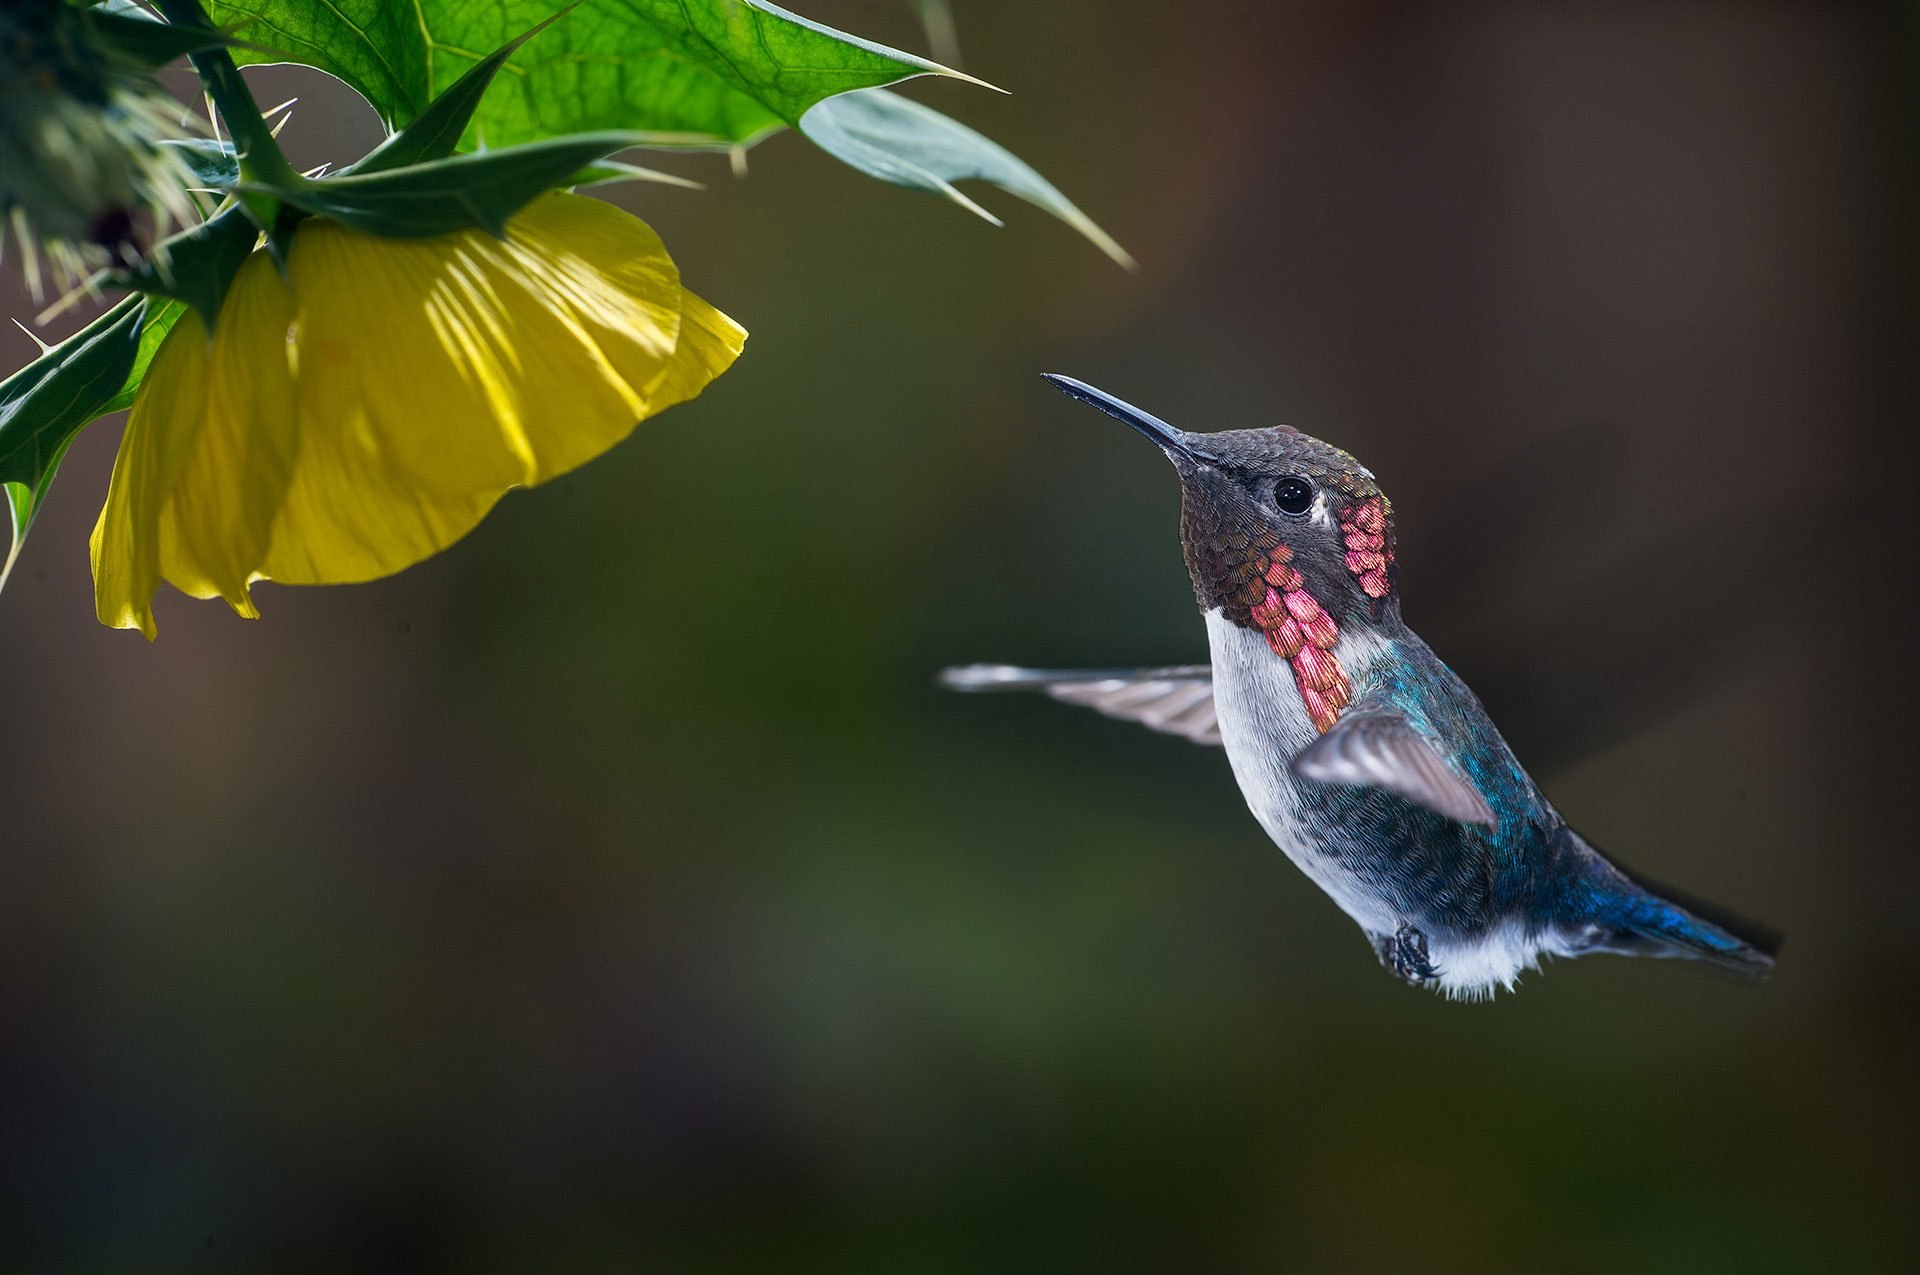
point(1362, 755)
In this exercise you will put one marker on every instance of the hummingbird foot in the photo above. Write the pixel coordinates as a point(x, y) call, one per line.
point(1405, 953)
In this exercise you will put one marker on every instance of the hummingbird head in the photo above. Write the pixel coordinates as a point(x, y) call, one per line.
point(1287, 535)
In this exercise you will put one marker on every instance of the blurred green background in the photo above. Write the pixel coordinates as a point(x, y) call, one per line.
point(617, 892)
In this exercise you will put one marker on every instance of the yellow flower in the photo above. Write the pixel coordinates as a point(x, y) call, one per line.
point(367, 410)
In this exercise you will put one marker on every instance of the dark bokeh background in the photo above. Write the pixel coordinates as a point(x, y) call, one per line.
point(616, 892)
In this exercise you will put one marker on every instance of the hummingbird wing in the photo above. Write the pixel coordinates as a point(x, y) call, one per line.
point(1177, 700)
point(1379, 747)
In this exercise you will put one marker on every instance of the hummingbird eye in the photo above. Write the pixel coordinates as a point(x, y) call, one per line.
point(1293, 496)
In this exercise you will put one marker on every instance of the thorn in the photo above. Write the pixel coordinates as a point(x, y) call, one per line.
point(33, 337)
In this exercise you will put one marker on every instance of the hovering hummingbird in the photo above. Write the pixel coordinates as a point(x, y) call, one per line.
point(1362, 755)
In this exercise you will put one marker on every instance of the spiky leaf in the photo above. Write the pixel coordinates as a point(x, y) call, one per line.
point(161, 314)
point(711, 72)
point(44, 404)
point(196, 265)
point(436, 131)
point(433, 198)
point(683, 72)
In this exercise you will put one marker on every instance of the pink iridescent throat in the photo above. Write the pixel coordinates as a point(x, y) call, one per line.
point(1364, 527)
point(1303, 634)
point(1299, 629)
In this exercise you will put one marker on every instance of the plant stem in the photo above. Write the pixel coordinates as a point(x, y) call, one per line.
point(259, 153)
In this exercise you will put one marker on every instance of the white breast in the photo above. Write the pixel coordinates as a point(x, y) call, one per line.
point(1264, 726)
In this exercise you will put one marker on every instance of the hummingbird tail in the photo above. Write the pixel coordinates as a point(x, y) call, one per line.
point(1658, 921)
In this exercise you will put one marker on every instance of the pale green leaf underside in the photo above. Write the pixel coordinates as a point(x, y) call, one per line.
point(898, 140)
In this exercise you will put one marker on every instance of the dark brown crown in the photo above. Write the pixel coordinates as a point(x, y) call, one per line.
point(1234, 535)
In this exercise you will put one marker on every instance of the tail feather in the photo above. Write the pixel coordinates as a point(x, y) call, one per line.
point(1664, 922)
point(1645, 918)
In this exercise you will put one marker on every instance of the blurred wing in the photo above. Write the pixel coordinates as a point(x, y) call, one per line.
point(1382, 749)
point(1175, 701)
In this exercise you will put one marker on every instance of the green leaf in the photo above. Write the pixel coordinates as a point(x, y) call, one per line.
point(685, 72)
point(23, 506)
point(481, 189)
point(900, 141)
point(44, 404)
point(695, 72)
point(63, 389)
point(196, 265)
point(162, 313)
point(436, 131)
point(20, 510)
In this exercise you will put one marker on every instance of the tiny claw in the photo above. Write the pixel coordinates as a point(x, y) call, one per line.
point(1406, 955)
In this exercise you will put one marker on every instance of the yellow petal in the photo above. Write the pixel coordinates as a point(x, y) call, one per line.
point(219, 517)
point(709, 343)
point(368, 411)
point(349, 517)
point(160, 433)
point(474, 364)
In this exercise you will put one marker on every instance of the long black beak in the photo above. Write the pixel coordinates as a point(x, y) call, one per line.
point(1174, 441)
